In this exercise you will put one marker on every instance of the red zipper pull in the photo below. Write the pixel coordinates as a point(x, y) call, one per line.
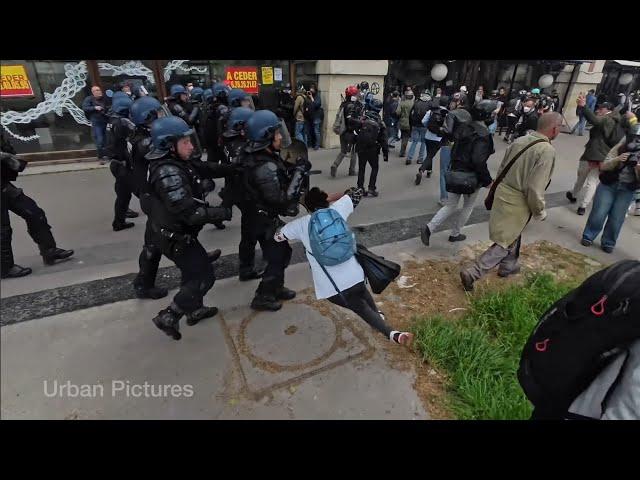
point(598, 308)
point(542, 346)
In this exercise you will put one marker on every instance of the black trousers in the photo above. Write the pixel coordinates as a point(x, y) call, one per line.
point(248, 239)
point(124, 187)
point(149, 259)
point(14, 200)
point(432, 150)
point(197, 273)
point(511, 125)
point(372, 158)
point(360, 301)
point(276, 254)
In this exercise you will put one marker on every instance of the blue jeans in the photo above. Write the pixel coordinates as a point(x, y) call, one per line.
point(301, 131)
point(417, 136)
point(317, 123)
point(493, 127)
point(579, 126)
point(392, 130)
point(98, 130)
point(610, 203)
point(445, 162)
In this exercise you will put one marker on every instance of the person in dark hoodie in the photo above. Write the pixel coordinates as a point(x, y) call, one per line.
point(473, 145)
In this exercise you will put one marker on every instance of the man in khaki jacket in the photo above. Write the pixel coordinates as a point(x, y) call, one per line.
point(519, 197)
point(298, 113)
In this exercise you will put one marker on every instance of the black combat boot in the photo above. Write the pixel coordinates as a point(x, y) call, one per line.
point(200, 314)
point(264, 302)
point(168, 320)
point(50, 255)
point(15, 271)
point(283, 293)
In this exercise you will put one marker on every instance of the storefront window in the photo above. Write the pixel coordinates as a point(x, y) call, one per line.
point(113, 73)
point(48, 116)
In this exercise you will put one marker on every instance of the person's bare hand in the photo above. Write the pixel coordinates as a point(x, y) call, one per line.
point(582, 101)
point(623, 157)
point(629, 115)
point(98, 107)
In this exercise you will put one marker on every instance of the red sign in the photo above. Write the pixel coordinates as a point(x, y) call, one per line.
point(245, 78)
point(15, 82)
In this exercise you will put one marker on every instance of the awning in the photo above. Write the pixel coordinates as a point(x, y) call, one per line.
point(628, 63)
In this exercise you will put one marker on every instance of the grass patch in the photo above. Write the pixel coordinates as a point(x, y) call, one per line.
point(480, 352)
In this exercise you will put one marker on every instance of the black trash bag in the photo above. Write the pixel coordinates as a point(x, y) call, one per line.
point(378, 271)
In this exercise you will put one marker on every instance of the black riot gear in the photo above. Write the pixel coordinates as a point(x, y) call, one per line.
point(14, 200)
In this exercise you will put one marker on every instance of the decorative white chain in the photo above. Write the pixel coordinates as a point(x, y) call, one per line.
point(62, 97)
point(179, 64)
point(134, 68)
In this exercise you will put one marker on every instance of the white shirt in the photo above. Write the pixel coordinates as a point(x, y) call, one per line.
point(346, 274)
point(429, 135)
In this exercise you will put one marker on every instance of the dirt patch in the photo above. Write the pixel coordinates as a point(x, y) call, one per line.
point(432, 287)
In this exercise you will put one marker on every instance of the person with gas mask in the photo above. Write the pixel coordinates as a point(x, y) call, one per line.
point(473, 145)
point(237, 98)
point(177, 212)
point(196, 98)
point(275, 189)
point(235, 191)
point(518, 195)
point(372, 137)
point(119, 129)
point(143, 113)
point(619, 180)
point(14, 200)
point(179, 105)
point(350, 110)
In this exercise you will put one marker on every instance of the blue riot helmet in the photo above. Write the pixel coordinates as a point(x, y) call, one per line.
point(236, 96)
point(207, 95)
point(121, 103)
point(144, 110)
point(109, 93)
point(220, 92)
point(196, 94)
point(237, 121)
point(176, 90)
point(260, 130)
point(165, 133)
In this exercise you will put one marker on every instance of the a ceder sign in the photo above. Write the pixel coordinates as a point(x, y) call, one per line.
point(15, 82)
point(245, 78)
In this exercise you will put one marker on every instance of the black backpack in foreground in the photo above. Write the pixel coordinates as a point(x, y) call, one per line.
point(578, 336)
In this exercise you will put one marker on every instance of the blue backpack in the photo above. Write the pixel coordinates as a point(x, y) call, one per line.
point(331, 239)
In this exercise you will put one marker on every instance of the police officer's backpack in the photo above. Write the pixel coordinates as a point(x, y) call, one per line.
point(332, 241)
point(367, 138)
point(578, 336)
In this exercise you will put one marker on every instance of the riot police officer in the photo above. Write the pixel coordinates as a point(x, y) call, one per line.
point(285, 107)
point(14, 200)
point(177, 212)
point(119, 129)
point(236, 194)
point(142, 113)
point(179, 105)
point(275, 191)
point(211, 131)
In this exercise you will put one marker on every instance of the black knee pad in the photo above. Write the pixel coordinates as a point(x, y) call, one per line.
point(151, 251)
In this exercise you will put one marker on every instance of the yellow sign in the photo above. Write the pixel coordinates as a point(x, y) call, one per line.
point(267, 75)
point(15, 82)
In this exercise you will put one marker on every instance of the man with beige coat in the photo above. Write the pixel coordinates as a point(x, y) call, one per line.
point(518, 197)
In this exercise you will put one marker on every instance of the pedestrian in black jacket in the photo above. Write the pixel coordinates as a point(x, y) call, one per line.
point(95, 108)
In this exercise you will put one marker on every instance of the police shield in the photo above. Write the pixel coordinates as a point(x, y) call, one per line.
point(286, 139)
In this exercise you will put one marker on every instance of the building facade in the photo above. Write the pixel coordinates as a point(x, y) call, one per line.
point(41, 99)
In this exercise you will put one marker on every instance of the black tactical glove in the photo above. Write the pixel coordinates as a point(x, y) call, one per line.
point(13, 162)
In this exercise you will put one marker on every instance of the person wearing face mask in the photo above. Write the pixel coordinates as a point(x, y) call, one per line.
point(528, 121)
point(523, 176)
point(619, 180)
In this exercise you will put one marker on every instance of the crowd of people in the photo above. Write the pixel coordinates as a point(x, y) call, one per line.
point(156, 152)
